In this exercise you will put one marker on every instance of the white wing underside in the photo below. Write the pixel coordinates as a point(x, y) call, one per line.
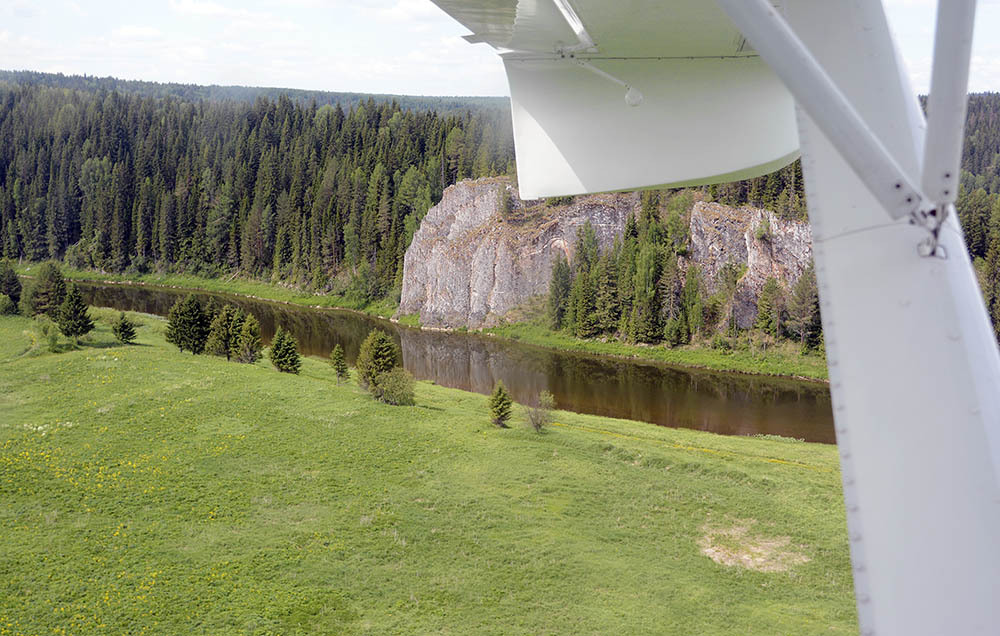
point(574, 132)
point(914, 367)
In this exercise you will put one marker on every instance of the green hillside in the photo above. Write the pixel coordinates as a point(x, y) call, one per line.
point(147, 491)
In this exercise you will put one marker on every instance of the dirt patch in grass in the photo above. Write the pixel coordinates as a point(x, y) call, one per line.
point(737, 545)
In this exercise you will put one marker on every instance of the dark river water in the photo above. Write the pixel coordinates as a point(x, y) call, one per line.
point(731, 404)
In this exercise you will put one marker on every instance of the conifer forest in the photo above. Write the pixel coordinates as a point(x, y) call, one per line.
point(328, 197)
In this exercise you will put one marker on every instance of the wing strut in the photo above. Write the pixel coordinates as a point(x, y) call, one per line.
point(947, 102)
point(818, 94)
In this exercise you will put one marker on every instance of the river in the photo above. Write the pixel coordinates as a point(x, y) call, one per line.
point(726, 403)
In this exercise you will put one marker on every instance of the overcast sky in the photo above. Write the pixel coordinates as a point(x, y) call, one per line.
point(378, 46)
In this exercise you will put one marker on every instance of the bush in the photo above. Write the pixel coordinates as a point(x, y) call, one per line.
point(48, 331)
point(378, 355)
point(284, 352)
point(394, 387)
point(721, 343)
point(540, 413)
point(763, 231)
point(500, 406)
point(124, 329)
point(7, 306)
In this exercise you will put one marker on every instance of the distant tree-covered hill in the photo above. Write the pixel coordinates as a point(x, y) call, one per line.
point(303, 187)
point(195, 92)
point(272, 188)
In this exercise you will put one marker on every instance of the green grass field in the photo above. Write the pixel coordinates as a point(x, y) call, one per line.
point(146, 491)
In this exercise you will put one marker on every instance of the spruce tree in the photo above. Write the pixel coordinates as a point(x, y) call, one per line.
point(559, 288)
point(10, 284)
point(500, 405)
point(47, 293)
point(769, 307)
point(284, 352)
point(585, 311)
point(124, 329)
point(803, 307)
point(73, 319)
point(248, 343)
point(378, 354)
point(338, 363)
point(224, 332)
point(187, 325)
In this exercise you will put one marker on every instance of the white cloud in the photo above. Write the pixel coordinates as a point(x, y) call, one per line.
point(208, 9)
point(136, 31)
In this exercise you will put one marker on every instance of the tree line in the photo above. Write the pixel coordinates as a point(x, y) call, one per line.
point(299, 194)
point(640, 290)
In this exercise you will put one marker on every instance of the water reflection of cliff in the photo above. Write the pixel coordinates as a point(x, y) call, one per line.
point(723, 403)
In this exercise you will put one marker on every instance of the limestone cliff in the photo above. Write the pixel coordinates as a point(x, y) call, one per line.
point(481, 251)
point(721, 234)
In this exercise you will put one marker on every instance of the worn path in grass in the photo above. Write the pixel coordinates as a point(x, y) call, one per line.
point(143, 490)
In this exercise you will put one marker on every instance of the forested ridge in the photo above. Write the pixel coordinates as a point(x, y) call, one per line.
point(302, 194)
point(204, 180)
point(198, 92)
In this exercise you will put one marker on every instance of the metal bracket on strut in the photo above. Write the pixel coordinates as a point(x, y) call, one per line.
point(932, 219)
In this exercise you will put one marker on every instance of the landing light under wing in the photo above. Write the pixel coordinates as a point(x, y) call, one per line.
point(703, 90)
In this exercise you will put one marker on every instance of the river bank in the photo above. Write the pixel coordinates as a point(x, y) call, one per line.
point(783, 360)
point(186, 493)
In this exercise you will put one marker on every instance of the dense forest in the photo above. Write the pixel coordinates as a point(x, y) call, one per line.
point(301, 194)
point(308, 191)
point(637, 291)
point(197, 92)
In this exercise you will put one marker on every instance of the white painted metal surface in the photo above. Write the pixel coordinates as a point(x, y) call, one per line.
point(683, 58)
point(819, 95)
point(947, 99)
point(914, 367)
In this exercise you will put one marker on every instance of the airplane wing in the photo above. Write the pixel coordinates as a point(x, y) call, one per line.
point(914, 365)
point(568, 95)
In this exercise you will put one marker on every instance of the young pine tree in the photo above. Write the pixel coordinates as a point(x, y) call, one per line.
point(378, 354)
point(339, 363)
point(48, 292)
point(500, 406)
point(284, 352)
point(187, 325)
point(803, 308)
point(769, 307)
point(73, 319)
point(248, 342)
point(10, 284)
point(224, 332)
point(559, 288)
point(124, 329)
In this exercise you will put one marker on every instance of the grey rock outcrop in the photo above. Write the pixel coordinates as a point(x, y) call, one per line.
point(482, 252)
point(721, 234)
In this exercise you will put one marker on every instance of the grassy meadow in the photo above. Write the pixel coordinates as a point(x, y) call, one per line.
point(148, 491)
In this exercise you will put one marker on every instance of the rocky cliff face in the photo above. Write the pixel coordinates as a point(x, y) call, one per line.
point(481, 251)
point(721, 234)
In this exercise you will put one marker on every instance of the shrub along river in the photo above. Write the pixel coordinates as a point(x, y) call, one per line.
point(726, 403)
